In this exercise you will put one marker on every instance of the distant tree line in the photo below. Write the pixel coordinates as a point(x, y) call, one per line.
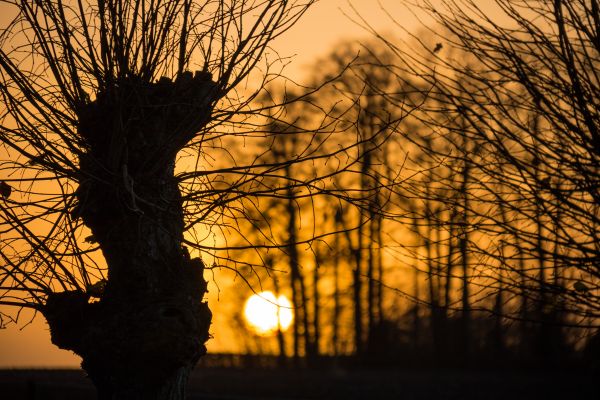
point(486, 247)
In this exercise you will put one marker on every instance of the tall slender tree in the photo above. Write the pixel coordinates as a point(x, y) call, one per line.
point(540, 59)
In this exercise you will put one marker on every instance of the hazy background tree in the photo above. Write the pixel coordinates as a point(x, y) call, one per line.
point(514, 100)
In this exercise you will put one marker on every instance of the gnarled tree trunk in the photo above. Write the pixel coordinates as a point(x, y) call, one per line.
point(147, 331)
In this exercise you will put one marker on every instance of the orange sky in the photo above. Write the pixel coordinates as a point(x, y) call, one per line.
point(330, 21)
point(322, 27)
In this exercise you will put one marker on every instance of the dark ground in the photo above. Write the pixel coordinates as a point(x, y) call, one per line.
point(212, 383)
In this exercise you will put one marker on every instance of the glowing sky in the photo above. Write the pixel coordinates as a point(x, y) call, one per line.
point(325, 25)
point(329, 22)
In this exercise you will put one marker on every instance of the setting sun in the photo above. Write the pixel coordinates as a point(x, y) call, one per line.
point(265, 313)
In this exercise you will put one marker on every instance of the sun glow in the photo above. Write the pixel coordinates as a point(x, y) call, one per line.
point(266, 313)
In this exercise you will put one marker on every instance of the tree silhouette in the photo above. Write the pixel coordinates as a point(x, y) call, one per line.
point(525, 88)
point(98, 105)
point(362, 77)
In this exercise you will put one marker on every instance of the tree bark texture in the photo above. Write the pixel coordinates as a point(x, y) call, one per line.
point(147, 331)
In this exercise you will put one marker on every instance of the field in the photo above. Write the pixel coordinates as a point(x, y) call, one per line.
point(232, 383)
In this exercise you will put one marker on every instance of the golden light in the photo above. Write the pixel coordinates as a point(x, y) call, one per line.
point(266, 313)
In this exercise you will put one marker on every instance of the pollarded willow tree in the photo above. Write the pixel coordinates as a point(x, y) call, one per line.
point(98, 102)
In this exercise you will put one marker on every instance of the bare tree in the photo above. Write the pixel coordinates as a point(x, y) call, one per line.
point(526, 86)
point(364, 79)
point(98, 103)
